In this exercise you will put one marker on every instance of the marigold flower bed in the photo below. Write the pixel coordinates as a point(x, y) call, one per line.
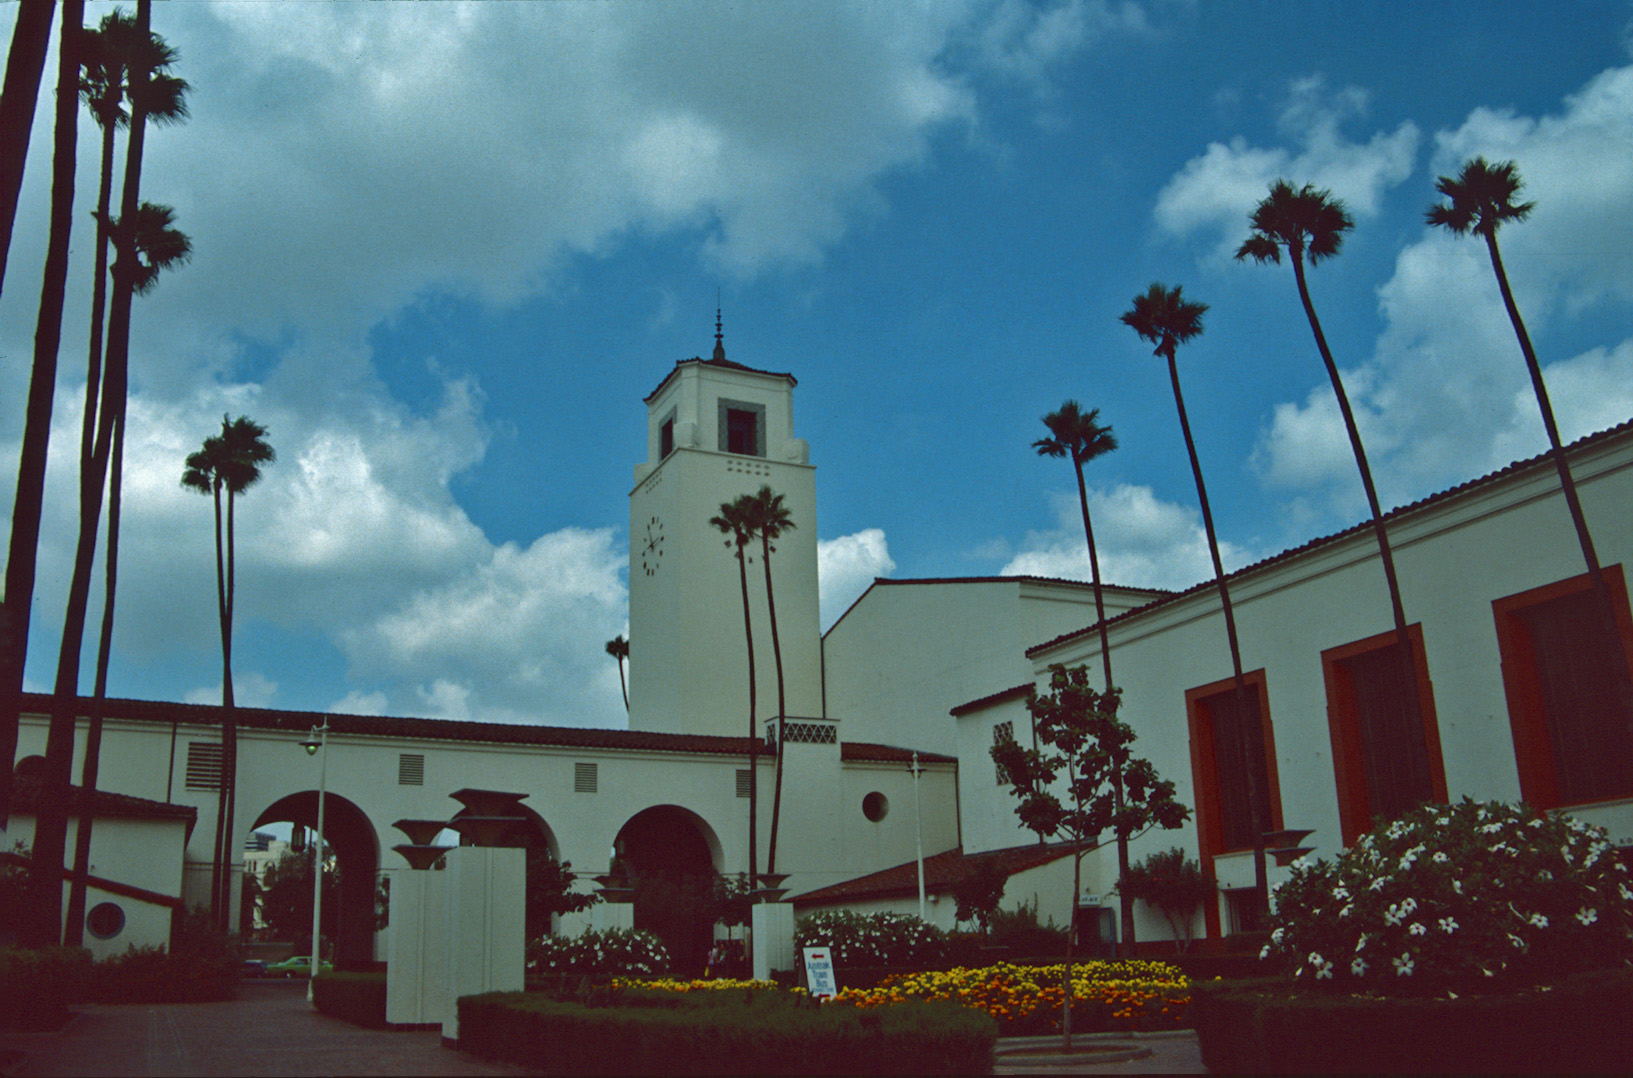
point(1026, 1000)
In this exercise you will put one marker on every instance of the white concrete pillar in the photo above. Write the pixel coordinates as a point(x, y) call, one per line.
point(606, 915)
point(487, 888)
point(773, 938)
point(417, 971)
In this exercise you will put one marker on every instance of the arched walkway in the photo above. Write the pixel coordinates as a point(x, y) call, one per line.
point(671, 857)
point(347, 830)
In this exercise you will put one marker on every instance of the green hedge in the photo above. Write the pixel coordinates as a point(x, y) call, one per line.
point(1579, 1024)
point(37, 986)
point(762, 1033)
point(358, 998)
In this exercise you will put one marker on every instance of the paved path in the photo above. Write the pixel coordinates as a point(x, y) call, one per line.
point(271, 1030)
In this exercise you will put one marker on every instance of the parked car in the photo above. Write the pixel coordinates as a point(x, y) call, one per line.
point(252, 967)
point(296, 966)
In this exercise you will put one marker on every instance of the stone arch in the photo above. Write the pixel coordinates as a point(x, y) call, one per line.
point(671, 857)
point(348, 831)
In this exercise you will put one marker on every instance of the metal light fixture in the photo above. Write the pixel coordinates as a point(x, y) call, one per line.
point(318, 739)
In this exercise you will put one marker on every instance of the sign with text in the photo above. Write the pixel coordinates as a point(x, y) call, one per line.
point(819, 973)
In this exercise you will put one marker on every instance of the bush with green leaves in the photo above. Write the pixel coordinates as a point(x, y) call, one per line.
point(617, 952)
point(1020, 930)
point(1173, 886)
point(872, 939)
point(1478, 896)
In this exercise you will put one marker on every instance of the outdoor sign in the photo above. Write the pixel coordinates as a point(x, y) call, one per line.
point(819, 973)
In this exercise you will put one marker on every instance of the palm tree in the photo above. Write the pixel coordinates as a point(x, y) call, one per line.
point(1311, 222)
point(1078, 436)
point(733, 522)
point(231, 461)
point(23, 69)
point(769, 518)
point(155, 247)
point(1480, 199)
point(1167, 319)
point(618, 648)
point(25, 63)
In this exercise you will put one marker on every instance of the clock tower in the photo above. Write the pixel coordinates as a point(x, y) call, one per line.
point(717, 430)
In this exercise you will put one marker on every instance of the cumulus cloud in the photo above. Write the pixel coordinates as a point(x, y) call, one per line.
point(1445, 393)
point(845, 568)
point(1218, 189)
point(1142, 542)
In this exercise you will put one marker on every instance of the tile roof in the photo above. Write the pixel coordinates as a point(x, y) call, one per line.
point(941, 872)
point(864, 750)
point(25, 797)
point(992, 698)
point(723, 364)
point(1529, 464)
point(300, 722)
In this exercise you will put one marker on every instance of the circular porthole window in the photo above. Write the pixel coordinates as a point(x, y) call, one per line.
point(105, 921)
point(875, 806)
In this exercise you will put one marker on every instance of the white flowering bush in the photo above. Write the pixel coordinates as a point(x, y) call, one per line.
point(618, 952)
point(1474, 896)
point(872, 939)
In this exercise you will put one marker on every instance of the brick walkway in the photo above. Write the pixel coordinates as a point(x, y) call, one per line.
point(270, 1029)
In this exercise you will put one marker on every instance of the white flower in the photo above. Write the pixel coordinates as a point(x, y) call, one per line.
point(1264, 952)
point(1316, 960)
point(1379, 883)
point(1448, 925)
point(1345, 911)
point(1440, 857)
point(1340, 893)
point(1324, 971)
point(1587, 916)
point(1539, 920)
point(1626, 894)
point(1441, 821)
point(1403, 966)
point(1417, 929)
point(1362, 942)
point(1457, 885)
point(1276, 936)
point(1516, 941)
point(1358, 967)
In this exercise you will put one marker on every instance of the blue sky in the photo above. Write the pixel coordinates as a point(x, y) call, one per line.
point(442, 251)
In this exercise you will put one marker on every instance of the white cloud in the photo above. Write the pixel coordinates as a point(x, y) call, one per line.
point(1142, 542)
point(845, 568)
point(1445, 394)
point(249, 689)
point(1218, 190)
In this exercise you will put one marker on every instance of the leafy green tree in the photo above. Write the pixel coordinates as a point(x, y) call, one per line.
point(769, 518)
point(286, 898)
point(734, 522)
point(550, 891)
point(618, 648)
point(1310, 222)
point(1171, 884)
point(1480, 199)
point(231, 462)
point(1084, 743)
point(1167, 319)
point(977, 894)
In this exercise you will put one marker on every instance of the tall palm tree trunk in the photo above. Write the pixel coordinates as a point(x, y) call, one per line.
point(74, 928)
point(1261, 887)
point(1567, 482)
point(16, 611)
point(25, 63)
point(1403, 643)
point(221, 778)
point(753, 738)
point(229, 730)
point(782, 704)
point(1125, 902)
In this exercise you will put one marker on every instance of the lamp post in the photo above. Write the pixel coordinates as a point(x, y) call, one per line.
point(318, 739)
point(918, 829)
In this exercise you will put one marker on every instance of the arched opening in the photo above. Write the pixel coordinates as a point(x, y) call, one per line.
point(355, 847)
point(670, 857)
point(546, 875)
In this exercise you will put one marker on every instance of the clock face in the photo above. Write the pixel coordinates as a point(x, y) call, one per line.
point(652, 547)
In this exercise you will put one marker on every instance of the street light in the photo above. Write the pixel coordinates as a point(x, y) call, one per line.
point(918, 829)
point(318, 739)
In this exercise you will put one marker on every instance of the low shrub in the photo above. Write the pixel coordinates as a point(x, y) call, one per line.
point(1026, 1000)
point(201, 966)
point(1579, 1024)
point(38, 986)
point(1468, 897)
point(770, 1033)
point(1020, 931)
point(615, 952)
point(358, 998)
point(872, 939)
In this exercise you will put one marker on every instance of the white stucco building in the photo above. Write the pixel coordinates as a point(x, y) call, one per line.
point(1493, 585)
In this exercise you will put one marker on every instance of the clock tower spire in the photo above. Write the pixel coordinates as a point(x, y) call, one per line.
point(717, 430)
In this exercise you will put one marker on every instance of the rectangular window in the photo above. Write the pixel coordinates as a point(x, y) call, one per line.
point(742, 428)
point(742, 782)
point(1385, 738)
point(410, 769)
point(585, 778)
point(1567, 685)
point(1237, 768)
point(666, 437)
point(1003, 731)
point(203, 765)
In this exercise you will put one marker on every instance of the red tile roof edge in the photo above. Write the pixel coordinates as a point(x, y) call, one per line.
point(941, 871)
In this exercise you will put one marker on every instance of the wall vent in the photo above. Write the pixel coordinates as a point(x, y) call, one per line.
point(410, 769)
point(742, 781)
point(204, 765)
point(1003, 731)
point(584, 778)
point(810, 733)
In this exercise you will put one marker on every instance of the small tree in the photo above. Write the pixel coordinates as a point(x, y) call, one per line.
point(977, 894)
point(1083, 741)
point(1175, 886)
point(550, 891)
